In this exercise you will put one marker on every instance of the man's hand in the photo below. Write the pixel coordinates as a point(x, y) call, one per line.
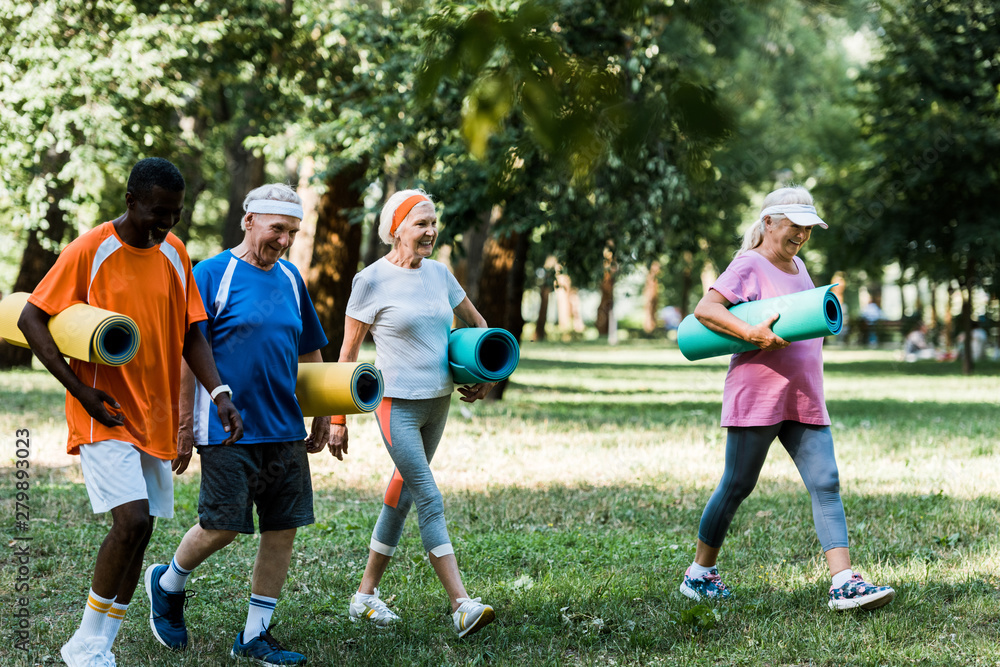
point(93, 401)
point(319, 436)
point(230, 418)
point(185, 446)
point(338, 441)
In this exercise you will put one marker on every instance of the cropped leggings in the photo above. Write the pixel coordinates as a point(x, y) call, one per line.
point(811, 448)
point(412, 430)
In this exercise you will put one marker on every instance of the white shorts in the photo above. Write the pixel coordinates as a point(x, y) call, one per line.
point(117, 472)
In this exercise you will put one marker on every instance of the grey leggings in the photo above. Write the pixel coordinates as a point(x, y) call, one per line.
point(412, 430)
point(811, 448)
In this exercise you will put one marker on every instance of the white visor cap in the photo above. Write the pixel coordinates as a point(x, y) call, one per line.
point(802, 215)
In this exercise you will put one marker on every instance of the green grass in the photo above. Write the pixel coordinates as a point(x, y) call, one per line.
point(573, 506)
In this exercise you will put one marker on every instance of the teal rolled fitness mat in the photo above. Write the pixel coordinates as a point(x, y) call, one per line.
point(482, 355)
point(813, 313)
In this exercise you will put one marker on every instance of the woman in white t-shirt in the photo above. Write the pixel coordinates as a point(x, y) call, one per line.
point(407, 302)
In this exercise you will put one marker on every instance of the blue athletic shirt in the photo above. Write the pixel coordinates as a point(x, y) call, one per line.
point(259, 323)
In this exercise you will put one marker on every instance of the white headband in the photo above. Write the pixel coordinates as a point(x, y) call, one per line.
point(275, 207)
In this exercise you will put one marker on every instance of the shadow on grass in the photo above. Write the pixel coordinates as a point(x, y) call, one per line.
point(918, 369)
point(610, 368)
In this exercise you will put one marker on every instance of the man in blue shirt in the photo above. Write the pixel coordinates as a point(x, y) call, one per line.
point(261, 325)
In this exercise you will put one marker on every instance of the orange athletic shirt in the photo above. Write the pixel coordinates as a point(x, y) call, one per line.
point(155, 287)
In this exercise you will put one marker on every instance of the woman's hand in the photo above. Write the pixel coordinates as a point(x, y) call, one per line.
point(338, 441)
point(472, 393)
point(319, 435)
point(763, 337)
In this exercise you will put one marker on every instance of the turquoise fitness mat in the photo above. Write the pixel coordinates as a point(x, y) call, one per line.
point(482, 355)
point(813, 313)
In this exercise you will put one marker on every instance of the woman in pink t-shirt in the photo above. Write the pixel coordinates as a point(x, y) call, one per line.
point(774, 392)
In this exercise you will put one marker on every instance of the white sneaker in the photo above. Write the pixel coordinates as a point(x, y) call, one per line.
point(85, 652)
point(372, 609)
point(472, 616)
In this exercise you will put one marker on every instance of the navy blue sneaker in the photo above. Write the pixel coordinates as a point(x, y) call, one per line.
point(265, 650)
point(166, 610)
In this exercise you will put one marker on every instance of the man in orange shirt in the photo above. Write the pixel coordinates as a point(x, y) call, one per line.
point(123, 420)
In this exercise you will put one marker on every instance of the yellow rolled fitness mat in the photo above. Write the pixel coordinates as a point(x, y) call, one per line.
point(81, 331)
point(338, 388)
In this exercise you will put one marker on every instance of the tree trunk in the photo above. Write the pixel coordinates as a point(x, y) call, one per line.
point(469, 269)
point(651, 296)
point(949, 328)
point(190, 168)
point(374, 248)
point(551, 267)
point(968, 364)
point(38, 258)
point(501, 286)
point(246, 172)
point(686, 284)
point(336, 253)
point(301, 251)
point(604, 310)
point(543, 312)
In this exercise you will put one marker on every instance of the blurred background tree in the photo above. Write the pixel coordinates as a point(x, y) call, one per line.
point(588, 144)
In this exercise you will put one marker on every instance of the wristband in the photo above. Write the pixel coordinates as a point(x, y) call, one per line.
point(221, 388)
point(338, 420)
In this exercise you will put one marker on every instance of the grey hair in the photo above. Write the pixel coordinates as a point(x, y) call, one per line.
point(389, 209)
point(754, 235)
point(272, 192)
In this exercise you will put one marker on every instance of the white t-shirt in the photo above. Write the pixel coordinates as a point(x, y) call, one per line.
point(410, 312)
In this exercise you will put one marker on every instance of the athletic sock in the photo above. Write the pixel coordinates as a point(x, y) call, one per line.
point(174, 578)
point(698, 571)
point(363, 597)
point(258, 616)
point(94, 615)
point(114, 621)
point(842, 577)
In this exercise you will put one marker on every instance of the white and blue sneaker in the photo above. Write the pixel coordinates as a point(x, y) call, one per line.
point(709, 586)
point(857, 593)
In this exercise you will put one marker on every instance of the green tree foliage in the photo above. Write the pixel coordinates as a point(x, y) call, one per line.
point(928, 196)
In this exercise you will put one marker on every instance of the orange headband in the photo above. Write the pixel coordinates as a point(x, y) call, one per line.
point(404, 209)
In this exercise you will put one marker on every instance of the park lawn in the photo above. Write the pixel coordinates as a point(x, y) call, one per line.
point(573, 505)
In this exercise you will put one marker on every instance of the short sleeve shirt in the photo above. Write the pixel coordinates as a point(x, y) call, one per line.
point(765, 388)
point(410, 312)
point(259, 324)
point(156, 288)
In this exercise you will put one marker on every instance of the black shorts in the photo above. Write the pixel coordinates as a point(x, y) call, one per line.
point(272, 475)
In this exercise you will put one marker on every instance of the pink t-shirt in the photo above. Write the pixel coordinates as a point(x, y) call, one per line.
point(764, 388)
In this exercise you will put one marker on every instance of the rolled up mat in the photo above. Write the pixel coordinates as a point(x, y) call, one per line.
point(803, 315)
point(338, 388)
point(82, 332)
point(482, 355)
